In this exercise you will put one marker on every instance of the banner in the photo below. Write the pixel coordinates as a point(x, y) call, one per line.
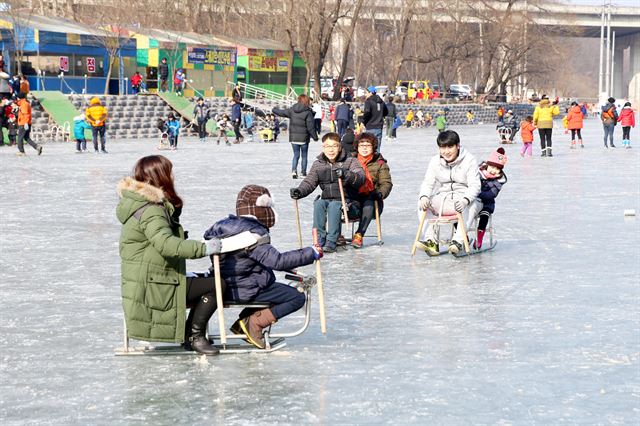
point(269, 61)
point(215, 56)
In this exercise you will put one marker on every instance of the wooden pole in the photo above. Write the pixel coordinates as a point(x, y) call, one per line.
point(378, 225)
point(344, 204)
point(323, 321)
point(219, 302)
point(297, 209)
point(463, 229)
point(423, 217)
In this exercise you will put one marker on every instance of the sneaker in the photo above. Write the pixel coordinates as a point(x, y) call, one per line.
point(581, 146)
point(329, 247)
point(104, 151)
point(431, 248)
point(294, 175)
point(21, 154)
point(544, 154)
point(96, 152)
point(78, 151)
point(341, 240)
point(304, 174)
point(39, 150)
point(357, 240)
point(613, 146)
point(228, 143)
point(455, 247)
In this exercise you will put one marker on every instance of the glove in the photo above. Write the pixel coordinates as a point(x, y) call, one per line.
point(377, 195)
point(460, 205)
point(317, 251)
point(424, 203)
point(26, 127)
point(214, 246)
point(295, 193)
point(339, 173)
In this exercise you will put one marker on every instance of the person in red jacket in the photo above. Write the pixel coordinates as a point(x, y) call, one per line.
point(526, 132)
point(628, 120)
point(136, 80)
point(574, 123)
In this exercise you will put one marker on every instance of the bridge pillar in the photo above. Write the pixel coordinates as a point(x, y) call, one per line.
point(626, 78)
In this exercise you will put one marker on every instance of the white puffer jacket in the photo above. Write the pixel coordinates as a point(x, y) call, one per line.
point(460, 176)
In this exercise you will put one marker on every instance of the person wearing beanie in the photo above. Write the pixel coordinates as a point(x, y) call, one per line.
point(609, 117)
point(450, 184)
point(79, 126)
point(375, 111)
point(248, 273)
point(627, 120)
point(97, 116)
point(24, 125)
point(492, 177)
point(543, 120)
point(575, 119)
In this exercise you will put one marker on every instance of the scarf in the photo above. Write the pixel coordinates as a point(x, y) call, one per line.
point(368, 186)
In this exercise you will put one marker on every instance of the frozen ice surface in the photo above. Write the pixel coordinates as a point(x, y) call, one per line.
point(542, 330)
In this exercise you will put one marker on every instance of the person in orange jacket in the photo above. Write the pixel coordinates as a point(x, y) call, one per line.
point(526, 132)
point(24, 125)
point(97, 116)
point(628, 120)
point(574, 123)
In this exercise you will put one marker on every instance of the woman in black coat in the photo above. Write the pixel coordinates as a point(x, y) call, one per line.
point(301, 131)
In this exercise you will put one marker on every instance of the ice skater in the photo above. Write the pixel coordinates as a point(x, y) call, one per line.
point(173, 126)
point(96, 115)
point(24, 125)
point(450, 184)
point(248, 273)
point(575, 119)
point(492, 177)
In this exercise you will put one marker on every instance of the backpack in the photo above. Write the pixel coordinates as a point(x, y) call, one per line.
point(608, 117)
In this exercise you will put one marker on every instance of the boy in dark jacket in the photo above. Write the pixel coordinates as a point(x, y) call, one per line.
point(248, 273)
point(492, 177)
point(333, 164)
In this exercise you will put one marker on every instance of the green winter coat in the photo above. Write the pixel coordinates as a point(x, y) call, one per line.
point(153, 252)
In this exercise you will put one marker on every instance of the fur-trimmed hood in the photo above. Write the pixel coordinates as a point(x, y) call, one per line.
point(135, 194)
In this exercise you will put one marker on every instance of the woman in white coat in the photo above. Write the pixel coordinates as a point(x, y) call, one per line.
point(450, 185)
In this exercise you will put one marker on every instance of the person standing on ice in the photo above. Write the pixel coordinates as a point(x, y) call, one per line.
point(153, 249)
point(332, 165)
point(450, 184)
point(609, 117)
point(575, 119)
point(375, 111)
point(301, 130)
point(248, 273)
point(627, 120)
point(543, 120)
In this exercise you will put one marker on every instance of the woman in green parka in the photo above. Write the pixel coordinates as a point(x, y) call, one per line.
point(153, 249)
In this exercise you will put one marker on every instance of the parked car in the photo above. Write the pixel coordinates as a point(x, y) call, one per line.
point(460, 91)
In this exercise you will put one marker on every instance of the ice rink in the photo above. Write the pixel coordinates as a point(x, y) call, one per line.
point(543, 330)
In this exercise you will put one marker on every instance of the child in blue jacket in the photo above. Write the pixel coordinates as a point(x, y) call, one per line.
point(79, 126)
point(492, 177)
point(248, 273)
point(173, 125)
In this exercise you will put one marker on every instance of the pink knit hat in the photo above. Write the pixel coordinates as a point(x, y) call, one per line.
point(498, 158)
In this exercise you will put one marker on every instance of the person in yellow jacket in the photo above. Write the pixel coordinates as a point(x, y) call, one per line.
point(543, 120)
point(97, 116)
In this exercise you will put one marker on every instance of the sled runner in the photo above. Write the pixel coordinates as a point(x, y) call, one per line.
point(489, 242)
point(273, 341)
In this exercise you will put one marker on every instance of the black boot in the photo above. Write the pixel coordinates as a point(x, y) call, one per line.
point(201, 315)
point(187, 330)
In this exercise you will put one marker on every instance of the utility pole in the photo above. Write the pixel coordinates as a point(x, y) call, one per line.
point(608, 66)
point(601, 69)
point(613, 58)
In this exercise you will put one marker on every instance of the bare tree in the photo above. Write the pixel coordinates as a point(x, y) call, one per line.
point(21, 16)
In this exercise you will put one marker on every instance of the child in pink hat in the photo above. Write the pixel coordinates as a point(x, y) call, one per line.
point(492, 177)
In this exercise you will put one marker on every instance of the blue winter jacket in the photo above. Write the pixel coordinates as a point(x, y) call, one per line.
point(236, 113)
point(489, 190)
point(79, 127)
point(247, 272)
point(174, 127)
point(343, 112)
